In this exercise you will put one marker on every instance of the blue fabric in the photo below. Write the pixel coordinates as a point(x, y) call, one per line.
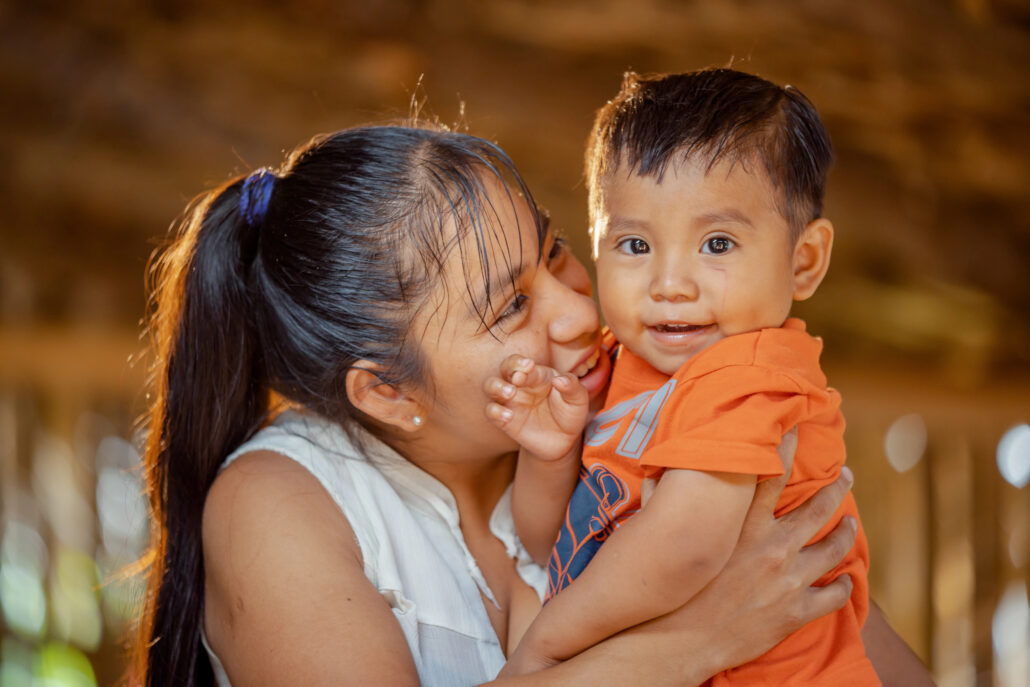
point(592, 517)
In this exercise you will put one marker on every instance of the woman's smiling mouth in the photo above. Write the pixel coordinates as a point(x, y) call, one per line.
point(593, 371)
point(587, 365)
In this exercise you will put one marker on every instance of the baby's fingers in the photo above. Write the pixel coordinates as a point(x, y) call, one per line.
point(498, 414)
point(498, 390)
point(516, 368)
point(571, 390)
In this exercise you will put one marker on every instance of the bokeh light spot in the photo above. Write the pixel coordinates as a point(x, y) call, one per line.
point(1010, 633)
point(905, 442)
point(23, 563)
point(59, 493)
point(23, 545)
point(60, 665)
point(1014, 456)
point(73, 591)
point(122, 511)
point(16, 660)
point(23, 600)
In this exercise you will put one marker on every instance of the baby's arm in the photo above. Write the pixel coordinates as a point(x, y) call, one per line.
point(545, 412)
point(651, 565)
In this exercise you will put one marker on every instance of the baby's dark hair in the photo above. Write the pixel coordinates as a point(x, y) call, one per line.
point(711, 115)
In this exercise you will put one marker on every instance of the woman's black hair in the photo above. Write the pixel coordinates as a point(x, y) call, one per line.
point(250, 306)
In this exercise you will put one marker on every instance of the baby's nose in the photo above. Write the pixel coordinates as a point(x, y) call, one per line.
point(673, 285)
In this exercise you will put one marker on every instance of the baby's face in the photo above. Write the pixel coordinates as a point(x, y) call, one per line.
point(687, 262)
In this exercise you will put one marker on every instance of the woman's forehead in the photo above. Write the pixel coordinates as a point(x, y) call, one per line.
point(491, 245)
point(494, 252)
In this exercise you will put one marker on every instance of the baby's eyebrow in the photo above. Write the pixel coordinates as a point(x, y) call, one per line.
point(624, 224)
point(727, 216)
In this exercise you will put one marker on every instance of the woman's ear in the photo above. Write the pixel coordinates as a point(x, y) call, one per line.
point(812, 257)
point(380, 401)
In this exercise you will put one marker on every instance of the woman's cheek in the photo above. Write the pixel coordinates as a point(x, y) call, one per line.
point(531, 343)
point(574, 275)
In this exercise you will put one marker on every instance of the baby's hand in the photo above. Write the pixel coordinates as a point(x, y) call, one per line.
point(536, 406)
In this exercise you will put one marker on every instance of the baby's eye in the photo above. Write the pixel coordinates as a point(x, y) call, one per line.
point(718, 245)
point(633, 246)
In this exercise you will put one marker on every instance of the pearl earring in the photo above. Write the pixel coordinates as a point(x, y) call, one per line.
point(417, 420)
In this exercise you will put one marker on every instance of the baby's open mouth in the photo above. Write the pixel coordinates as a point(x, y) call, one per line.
point(670, 328)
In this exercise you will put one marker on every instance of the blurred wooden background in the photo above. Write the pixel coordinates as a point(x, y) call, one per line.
point(114, 113)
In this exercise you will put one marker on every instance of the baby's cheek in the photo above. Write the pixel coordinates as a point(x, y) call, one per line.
point(721, 280)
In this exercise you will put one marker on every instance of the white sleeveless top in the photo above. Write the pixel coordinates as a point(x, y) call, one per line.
point(406, 523)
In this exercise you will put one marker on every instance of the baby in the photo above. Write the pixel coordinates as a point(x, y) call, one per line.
point(706, 193)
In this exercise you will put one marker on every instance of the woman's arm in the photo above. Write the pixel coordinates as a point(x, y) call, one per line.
point(286, 597)
point(763, 594)
point(895, 663)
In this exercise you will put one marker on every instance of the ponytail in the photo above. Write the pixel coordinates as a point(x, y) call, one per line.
point(278, 285)
point(209, 396)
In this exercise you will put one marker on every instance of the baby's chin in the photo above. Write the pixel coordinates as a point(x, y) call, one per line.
point(668, 365)
point(662, 362)
point(667, 354)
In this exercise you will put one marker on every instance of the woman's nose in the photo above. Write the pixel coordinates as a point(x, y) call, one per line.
point(573, 314)
point(672, 282)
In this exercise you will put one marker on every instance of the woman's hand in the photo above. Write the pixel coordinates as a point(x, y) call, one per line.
point(764, 593)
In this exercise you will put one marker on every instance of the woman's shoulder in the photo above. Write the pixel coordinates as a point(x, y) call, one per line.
point(262, 495)
point(265, 508)
point(302, 446)
point(298, 468)
point(306, 438)
point(292, 470)
point(259, 475)
point(283, 571)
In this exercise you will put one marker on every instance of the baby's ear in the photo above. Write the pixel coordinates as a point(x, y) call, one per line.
point(380, 401)
point(812, 257)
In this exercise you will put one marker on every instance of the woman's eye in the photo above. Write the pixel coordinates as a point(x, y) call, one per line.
point(634, 246)
point(717, 245)
point(517, 305)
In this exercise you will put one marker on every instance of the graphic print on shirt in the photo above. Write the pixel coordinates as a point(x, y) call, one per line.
point(607, 423)
point(590, 519)
point(601, 498)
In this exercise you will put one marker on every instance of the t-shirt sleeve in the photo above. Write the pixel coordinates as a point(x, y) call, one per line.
point(730, 420)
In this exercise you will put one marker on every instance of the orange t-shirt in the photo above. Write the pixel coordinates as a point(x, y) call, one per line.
point(726, 410)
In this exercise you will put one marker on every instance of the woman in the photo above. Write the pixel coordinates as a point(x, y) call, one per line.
point(364, 534)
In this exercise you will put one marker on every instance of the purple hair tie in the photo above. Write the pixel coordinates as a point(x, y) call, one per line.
point(254, 196)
